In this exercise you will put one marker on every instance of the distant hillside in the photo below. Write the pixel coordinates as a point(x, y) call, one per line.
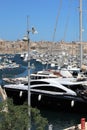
point(10, 47)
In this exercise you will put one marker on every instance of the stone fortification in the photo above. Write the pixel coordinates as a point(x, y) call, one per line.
point(11, 47)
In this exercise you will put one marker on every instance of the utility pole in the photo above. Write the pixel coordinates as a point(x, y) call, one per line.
point(27, 39)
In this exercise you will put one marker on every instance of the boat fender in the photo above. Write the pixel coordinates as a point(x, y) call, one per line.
point(72, 103)
point(39, 97)
point(20, 93)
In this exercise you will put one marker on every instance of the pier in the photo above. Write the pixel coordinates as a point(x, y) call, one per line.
point(81, 126)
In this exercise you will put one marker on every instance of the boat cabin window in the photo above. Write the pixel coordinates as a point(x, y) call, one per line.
point(41, 77)
point(25, 83)
point(36, 82)
point(49, 88)
point(75, 87)
point(38, 77)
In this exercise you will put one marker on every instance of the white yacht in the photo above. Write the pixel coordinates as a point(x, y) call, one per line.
point(50, 91)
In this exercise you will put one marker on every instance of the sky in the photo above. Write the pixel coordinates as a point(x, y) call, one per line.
point(54, 20)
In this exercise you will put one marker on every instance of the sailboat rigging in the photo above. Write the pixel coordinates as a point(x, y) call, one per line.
point(80, 34)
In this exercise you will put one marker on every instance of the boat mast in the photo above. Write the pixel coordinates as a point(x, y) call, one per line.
point(80, 33)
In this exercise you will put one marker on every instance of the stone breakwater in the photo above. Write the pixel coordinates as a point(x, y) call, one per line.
point(13, 47)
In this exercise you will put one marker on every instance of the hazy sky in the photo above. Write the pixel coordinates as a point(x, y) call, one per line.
point(43, 15)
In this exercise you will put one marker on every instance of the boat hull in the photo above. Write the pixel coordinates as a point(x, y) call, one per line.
point(40, 100)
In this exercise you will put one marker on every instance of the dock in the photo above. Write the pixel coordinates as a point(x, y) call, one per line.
point(82, 126)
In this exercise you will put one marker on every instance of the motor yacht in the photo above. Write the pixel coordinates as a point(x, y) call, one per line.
point(49, 92)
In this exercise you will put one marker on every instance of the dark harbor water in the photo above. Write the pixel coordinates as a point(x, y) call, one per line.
point(59, 119)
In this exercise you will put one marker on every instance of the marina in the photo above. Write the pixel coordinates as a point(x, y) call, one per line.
point(49, 75)
point(58, 117)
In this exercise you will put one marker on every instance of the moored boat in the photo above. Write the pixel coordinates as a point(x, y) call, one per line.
point(53, 92)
